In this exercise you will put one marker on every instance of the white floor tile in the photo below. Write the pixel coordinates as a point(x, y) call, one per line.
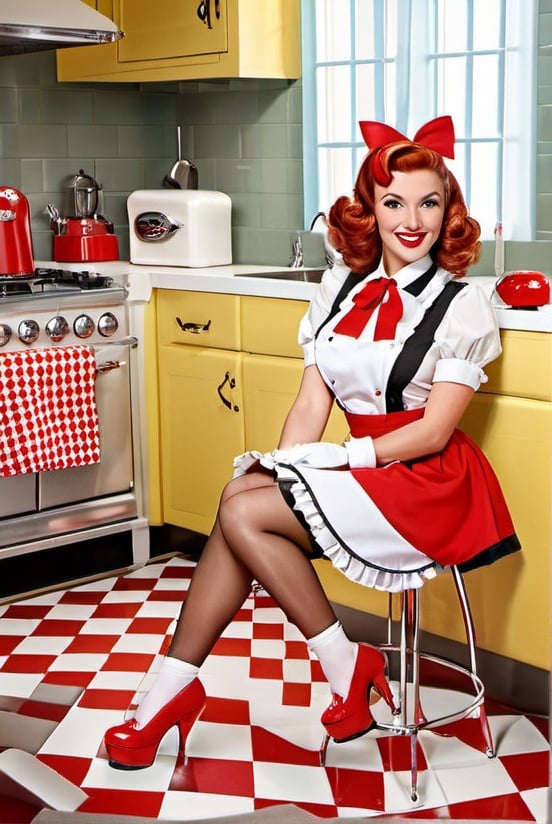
point(484, 780)
point(514, 734)
point(125, 596)
point(297, 671)
point(71, 612)
point(292, 782)
point(183, 805)
point(43, 645)
point(267, 648)
point(18, 626)
point(78, 662)
point(225, 741)
point(106, 626)
point(19, 685)
point(138, 643)
point(81, 733)
point(159, 609)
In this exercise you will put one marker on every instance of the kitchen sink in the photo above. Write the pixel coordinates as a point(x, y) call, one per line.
point(302, 275)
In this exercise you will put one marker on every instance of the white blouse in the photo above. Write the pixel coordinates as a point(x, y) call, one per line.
point(358, 369)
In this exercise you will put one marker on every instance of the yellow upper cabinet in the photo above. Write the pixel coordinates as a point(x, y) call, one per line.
point(191, 40)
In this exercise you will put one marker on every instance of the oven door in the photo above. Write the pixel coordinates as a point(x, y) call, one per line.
point(17, 495)
point(114, 473)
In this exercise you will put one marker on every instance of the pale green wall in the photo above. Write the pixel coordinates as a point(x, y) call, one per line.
point(244, 136)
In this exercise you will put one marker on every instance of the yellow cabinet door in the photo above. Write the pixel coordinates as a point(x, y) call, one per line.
point(171, 28)
point(168, 41)
point(201, 422)
point(270, 385)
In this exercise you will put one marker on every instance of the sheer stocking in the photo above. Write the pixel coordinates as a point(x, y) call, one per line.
point(255, 537)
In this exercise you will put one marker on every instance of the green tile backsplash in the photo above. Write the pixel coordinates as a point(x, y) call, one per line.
point(245, 136)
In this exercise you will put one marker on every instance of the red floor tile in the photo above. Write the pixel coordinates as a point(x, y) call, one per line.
point(529, 770)
point(92, 644)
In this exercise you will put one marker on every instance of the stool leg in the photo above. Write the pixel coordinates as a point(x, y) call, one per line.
point(470, 637)
point(414, 765)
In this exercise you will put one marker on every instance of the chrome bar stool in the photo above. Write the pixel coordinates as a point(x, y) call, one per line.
point(410, 716)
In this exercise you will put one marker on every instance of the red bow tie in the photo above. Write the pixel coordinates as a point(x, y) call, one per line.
point(366, 302)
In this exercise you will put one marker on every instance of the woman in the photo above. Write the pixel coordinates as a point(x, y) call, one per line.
point(401, 345)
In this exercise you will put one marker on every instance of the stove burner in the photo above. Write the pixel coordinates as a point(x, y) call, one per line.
point(51, 280)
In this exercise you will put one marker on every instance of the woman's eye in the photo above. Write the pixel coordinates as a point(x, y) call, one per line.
point(429, 204)
point(392, 204)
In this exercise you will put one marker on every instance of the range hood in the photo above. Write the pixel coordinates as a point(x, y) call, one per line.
point(37, 25)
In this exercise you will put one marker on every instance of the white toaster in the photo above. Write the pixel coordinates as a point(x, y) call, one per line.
point(180, 227)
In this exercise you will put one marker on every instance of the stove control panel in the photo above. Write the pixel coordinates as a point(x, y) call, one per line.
point(46, 329)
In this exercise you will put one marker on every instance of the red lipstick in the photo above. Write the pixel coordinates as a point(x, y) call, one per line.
point(410, 239)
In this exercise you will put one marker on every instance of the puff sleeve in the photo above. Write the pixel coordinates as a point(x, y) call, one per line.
point(467, 339)
point(320, 306)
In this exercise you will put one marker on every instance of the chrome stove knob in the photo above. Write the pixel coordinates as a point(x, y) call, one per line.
point(83, 326)
point(28, 331)
point(57, 327)
point(108, 324)
point(5, 334)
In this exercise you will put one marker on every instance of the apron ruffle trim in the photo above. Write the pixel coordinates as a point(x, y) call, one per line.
point(343, 559)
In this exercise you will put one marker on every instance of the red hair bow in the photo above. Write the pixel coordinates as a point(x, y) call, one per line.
point(437, 134)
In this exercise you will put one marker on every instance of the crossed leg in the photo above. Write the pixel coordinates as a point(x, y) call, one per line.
point(256, 537)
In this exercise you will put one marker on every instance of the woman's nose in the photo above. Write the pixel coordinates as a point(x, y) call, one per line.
point(413, 220)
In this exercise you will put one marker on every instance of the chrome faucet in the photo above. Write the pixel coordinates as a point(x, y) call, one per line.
point(297, 259)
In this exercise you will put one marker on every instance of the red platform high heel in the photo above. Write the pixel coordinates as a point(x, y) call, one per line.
point(130, 748)
point(350, 718)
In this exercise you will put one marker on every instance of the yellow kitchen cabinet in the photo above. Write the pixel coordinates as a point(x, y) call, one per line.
point(169, 41)
point(200, 420)
point(201, 423)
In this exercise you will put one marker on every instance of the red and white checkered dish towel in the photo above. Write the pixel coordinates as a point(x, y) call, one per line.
point(48, 414)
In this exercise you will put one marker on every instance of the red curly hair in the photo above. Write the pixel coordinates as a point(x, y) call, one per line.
point(353, 230)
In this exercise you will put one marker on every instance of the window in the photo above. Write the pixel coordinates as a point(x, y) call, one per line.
point(407, 61)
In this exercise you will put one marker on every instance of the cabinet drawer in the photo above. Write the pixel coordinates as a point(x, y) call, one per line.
point(269, 326)
point(199, 319)
point(524, 369)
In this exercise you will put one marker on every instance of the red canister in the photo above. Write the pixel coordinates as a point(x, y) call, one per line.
point(525, 288)
point(16, 247)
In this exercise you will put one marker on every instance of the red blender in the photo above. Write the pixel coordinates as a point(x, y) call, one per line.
point(83, 234)
point(16, 248)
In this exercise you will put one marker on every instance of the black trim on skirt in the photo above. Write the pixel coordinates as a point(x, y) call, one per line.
point(493, 553)
point(285, 489)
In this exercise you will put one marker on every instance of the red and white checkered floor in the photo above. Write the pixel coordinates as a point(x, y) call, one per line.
point(74, 659)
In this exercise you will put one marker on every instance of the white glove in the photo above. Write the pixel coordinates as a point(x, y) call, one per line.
point(320, 455)
point(361, 452)
point(243, 463)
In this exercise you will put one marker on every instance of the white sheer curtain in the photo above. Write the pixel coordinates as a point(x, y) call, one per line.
point(406, 61)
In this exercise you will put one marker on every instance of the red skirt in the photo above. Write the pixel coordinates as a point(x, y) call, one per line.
point(449, 505)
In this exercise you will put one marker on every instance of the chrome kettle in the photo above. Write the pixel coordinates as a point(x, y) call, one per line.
point(82, 196)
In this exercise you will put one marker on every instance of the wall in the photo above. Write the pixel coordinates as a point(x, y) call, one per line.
point(245, 137)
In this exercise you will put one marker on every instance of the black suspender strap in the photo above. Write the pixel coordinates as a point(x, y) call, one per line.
point(349, 283)
point(417, 345)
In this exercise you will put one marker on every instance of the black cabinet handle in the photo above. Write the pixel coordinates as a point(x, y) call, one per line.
point(204, 13)
point(194, 328)
point(232, 383)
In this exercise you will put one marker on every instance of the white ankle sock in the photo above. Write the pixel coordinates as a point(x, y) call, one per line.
point(337, 656)
point(172, 677)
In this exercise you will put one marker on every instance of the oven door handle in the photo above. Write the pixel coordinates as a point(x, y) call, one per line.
point(128, 341)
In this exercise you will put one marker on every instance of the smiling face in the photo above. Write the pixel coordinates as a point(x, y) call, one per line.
point(409, 213)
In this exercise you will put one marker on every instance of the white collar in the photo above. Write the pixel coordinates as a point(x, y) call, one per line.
point(407, 274)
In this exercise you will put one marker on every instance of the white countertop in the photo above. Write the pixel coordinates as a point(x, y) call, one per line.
point(140, 280)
